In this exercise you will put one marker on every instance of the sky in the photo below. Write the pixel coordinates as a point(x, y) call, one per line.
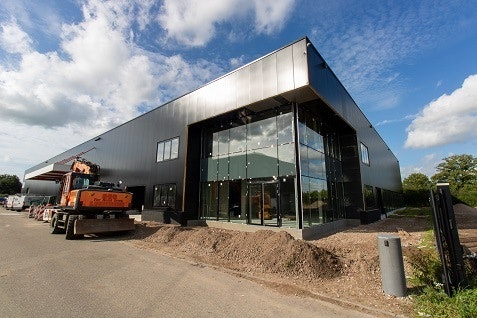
point(73, 69)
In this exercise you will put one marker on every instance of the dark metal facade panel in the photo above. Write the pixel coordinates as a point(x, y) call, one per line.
point(270, 76)
point(285, 67)
point(245, 85)
point(229, 94)
point(192, 107)
point(256, 82)
point(300, 64)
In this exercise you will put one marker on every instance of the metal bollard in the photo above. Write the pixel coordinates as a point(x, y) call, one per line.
point(392, 265)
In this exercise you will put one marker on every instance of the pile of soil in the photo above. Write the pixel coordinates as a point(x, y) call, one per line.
point(264, 251)
point(341, 268)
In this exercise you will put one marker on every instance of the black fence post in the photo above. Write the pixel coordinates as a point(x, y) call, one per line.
point(447, 239)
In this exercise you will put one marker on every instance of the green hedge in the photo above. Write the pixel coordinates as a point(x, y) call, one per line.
point(416, 198)
point(467, 195)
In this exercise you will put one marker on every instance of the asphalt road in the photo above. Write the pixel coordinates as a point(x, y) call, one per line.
point(44, 275)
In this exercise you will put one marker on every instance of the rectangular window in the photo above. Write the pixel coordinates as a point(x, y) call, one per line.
point(175, 148)
point(364, 154)
point(167, 150)
point(160, 152)
point(369, 199)
point(165, 195)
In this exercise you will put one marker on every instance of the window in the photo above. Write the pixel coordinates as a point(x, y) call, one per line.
point(364, 154)
point(165, 195)
point(369, 199)
point(167, 150)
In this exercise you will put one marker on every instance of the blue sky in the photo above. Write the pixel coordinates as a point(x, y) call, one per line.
point(72, 69)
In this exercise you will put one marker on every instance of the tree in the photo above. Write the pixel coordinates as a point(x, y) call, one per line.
point(10, 184)
point(416, 189)
point(416, 181)
point(458, 170)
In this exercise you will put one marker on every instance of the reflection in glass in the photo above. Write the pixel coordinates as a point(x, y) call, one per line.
point(255, 203)
point(304, 160)
point(215, 144)
point(208, 169)
point(332, 146)
point(316, 162)
point(262, 163)
point(238, 139)
point(223, 213)
point(285, 128)
point(305, 196)
point(160, 152)
point(286, 160)
point(167, 150)
point(270, 203)
point(261, 134)
point(209, 200)
point(318, 200)
point(175, 148)
point(223, 168)
point(314, 140)
point(333, 204)
point(302, 133)
point(288, 203)
point(237, 166)
point(223, 142)
point(335, 189)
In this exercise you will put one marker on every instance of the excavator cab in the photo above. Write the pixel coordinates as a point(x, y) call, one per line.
point(71, 182)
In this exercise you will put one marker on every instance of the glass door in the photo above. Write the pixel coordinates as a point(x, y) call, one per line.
point(263, 203)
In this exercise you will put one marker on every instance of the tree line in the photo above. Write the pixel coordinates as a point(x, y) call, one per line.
point(9, 184)
point(460, 171)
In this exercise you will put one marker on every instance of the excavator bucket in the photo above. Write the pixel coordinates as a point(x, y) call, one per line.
point(91, 226)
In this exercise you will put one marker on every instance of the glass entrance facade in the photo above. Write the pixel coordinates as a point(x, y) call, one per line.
point(249, 171)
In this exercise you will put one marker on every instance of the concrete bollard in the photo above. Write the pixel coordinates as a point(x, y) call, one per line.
point(392, 265)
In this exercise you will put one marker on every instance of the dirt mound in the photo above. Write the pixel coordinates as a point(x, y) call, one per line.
point(264, 251)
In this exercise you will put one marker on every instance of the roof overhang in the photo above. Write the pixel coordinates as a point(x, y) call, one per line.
point(51, 172)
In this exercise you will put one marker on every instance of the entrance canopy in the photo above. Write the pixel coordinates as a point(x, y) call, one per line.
point(52, 172)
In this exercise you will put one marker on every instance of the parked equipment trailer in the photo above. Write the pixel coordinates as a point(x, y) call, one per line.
point(88, 206)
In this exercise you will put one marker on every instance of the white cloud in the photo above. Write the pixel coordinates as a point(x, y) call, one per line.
point(99, 79)
point(236, 62)
point(270, 15)
point(449, 119)
point(191, 23)
point(13, 39)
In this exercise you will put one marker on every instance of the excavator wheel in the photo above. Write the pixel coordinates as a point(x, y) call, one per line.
point(70, 229)
point(54, 228)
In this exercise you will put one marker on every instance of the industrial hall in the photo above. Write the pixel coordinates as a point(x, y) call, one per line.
point(276, 143)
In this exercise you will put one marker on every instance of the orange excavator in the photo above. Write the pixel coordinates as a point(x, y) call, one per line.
point(89, 206)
